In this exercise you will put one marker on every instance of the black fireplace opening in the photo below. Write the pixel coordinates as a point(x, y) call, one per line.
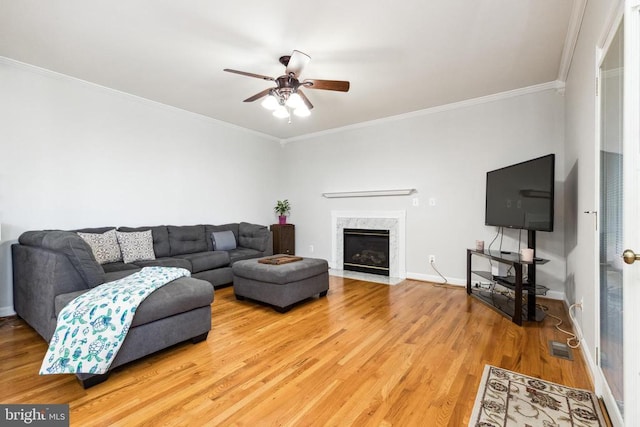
point(366, 251)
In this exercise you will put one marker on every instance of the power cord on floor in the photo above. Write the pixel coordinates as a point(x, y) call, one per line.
point(572, 337)
point(433, 265)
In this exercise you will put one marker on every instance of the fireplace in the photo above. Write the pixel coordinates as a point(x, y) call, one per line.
point(394, 221)
point(366, 250)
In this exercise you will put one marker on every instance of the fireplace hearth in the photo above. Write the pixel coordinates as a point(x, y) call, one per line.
point(366, 251)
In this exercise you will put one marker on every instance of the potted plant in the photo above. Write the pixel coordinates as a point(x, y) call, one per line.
point(282, 208)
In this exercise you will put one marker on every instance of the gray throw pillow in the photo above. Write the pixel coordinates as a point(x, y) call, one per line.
point(223, 240)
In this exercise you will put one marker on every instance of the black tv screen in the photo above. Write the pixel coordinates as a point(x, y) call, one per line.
point(521, 195)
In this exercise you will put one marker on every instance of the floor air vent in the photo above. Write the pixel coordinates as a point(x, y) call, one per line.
point(561, 350)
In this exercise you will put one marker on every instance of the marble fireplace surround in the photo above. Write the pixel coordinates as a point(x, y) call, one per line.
point(394, 221)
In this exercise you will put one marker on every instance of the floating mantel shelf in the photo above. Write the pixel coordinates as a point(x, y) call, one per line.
point(371, 193)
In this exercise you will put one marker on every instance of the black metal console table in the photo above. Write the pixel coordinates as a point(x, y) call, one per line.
point(513, 308)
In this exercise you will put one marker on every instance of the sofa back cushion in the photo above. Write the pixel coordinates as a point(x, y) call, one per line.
point(94, 230)
point(187, 239)
point(77, 251)
point(160, 234)
point(253, 236)
point(208, 229)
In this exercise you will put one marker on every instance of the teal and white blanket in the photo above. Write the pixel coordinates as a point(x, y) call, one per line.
point(92, 327)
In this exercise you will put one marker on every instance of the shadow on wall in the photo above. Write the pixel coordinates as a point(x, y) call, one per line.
point(570, 288)
point(6, 279)
point(571, 210)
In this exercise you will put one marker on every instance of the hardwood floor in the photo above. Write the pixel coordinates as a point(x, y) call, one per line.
point(367, 354)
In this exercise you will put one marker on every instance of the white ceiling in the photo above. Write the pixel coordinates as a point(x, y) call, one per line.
point(400, 56)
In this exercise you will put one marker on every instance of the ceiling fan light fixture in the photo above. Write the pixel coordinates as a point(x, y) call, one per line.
point(302, 111)
point(287, 96)
point(281, 112)
point(294, 101)
point(270, 103)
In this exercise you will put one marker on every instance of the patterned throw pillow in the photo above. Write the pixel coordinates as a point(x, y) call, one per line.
point(104, 246)
point(136, 246)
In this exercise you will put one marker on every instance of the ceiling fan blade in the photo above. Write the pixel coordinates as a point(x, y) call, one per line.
point(305, 99)
point(297, 62)
point(258, 95)
point(244, 73)
point(339, 85)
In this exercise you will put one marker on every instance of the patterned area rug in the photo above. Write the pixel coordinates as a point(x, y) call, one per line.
point(507, 398)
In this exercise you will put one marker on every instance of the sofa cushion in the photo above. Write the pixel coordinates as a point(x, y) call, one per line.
point(94, 230)
point(208, 229)
point(104, 246)
point(223, 240)
point(179, 296)
point(239, 254)
point(119, 266)
point(165, 262)
point(69, 243)
point(203, 261)
point(136, 245)
point(160, 238)
point(117, 275)
point(253, 236)
point(187, 239)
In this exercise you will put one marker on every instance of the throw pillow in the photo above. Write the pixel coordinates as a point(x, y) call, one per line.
point(104, 246)
point(136, 246)
point(223, 240)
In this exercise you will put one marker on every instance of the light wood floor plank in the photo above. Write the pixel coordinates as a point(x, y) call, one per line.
point(367, 354)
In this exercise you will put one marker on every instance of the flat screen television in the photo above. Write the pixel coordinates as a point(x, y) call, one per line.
point(521, 195)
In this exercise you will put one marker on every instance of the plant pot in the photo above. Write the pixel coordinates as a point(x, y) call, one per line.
point(282, 219)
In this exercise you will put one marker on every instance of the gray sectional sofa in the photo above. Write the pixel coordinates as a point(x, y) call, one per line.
point(51, 267)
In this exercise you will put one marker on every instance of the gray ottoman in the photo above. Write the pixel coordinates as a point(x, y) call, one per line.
point(280, 285)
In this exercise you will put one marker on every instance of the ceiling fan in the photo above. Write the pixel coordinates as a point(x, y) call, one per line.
point(287, 94)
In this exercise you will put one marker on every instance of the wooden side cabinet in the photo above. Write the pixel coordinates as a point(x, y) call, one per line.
point(284, 238)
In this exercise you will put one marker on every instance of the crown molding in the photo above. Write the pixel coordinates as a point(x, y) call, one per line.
point(571, 39)
point(556, 85)
point(64, 77)
point(553, 85)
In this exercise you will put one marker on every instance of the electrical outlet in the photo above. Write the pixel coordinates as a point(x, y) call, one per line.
point(432, 259)
point(582, 303)
point(311, 248)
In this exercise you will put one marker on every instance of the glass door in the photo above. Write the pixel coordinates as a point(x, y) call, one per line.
point(619, 223)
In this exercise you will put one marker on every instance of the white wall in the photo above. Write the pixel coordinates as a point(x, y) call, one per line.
point(580, 167)
point(77, 155)
point(444, 155)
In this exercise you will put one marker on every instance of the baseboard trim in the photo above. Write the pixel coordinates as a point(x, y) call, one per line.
point(7, 311)
point(433, 278)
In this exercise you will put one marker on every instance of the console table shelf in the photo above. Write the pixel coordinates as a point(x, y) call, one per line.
point(487, 275)
point(510, 307)
point(505, 305)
